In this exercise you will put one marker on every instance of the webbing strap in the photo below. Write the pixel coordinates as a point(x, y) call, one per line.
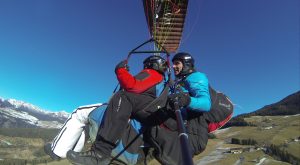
point(127, 146)
point(163, 94)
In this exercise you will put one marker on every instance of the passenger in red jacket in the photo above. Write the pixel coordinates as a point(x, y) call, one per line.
point(135, 94)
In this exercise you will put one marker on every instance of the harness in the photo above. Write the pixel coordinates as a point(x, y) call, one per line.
point(147, 116)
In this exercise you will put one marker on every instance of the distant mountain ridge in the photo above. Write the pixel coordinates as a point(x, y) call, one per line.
point(15, 113)
point(19, 114)
point(289, 105)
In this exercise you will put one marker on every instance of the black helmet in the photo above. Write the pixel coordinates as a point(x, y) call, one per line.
point(155, 62)
point(187, 61)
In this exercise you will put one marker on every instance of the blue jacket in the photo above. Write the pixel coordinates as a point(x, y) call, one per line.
point(196, 84)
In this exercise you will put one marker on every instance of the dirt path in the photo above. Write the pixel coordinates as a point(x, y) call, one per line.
point(213, 156)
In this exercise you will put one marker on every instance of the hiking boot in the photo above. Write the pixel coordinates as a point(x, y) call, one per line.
point(48, 151)
point(90, 157)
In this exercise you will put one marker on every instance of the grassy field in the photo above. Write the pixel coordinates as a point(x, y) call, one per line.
point(278, 130)
point(270, 129)
point(21, 148)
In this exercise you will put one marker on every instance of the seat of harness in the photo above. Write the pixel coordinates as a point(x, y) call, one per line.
point(147, 115)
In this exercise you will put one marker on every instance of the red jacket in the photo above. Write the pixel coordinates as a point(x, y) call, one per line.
point(146, 79)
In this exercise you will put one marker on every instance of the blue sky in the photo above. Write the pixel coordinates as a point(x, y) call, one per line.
point(59, 55)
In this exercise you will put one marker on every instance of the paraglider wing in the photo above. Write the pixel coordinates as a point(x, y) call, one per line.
point(165, 20)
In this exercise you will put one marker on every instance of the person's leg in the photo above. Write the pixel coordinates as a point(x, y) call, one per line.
point(132, 141)
point(114, 124)
point(71, 135)
point(95, 120)
point(127, 151)
point(198, 139)
point(119, 110)
point(167, 146)
point(197, 129)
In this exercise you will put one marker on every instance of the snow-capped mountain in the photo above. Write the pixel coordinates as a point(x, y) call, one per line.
point(15, 113)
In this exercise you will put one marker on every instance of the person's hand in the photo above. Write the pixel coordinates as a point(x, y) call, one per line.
point(181, 99)
point(122, 64)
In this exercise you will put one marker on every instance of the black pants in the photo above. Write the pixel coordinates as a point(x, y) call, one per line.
point(121, 107)
point(166, 142)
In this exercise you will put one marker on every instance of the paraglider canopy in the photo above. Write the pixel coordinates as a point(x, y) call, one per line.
point(165, 20)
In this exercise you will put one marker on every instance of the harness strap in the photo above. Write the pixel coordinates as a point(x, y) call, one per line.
point(127, 146)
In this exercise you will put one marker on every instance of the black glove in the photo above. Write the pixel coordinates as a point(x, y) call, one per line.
point(182, 99)
point(122, 64)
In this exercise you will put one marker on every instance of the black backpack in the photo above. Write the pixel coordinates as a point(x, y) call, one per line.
point(221, 110)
